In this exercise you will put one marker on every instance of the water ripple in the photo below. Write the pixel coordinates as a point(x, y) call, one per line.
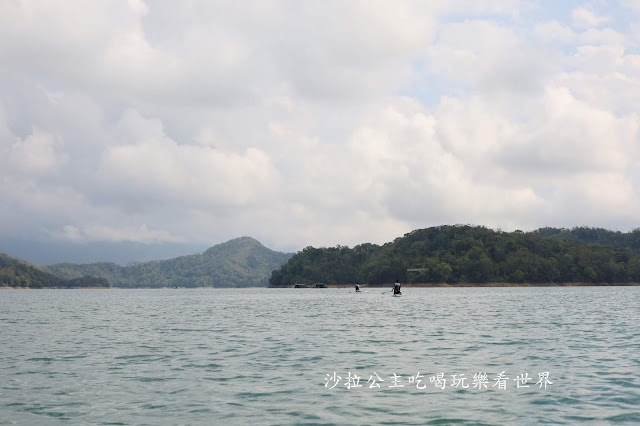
point(266, 356)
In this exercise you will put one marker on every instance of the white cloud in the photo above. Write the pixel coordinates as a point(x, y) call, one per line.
point(499, 58)
point(599, 59)
point(312, 123)
point(554, 31)
point(604, 77)
point(151, 166)
point(602, 36)
point(99, 232)
point(632, 4)
point(38, 153)
point(583, 18)
point(139, 7)
point(571, 137)
point(613, 193)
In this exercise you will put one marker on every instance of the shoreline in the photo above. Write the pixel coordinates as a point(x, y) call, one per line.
point(498, 284)
point(54, 288)
point(375, 286)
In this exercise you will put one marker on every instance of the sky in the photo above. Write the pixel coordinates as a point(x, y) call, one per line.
point(306, 123)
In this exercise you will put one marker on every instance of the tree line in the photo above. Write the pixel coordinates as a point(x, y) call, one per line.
point(18, 273)
point(473, 254)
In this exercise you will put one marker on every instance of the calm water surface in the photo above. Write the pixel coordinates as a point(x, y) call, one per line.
point(267, 356)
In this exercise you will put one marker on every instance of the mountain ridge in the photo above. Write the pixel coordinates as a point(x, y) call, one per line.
point(239, 262)
point(19, 273)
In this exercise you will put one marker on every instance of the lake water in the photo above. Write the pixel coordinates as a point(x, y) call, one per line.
point(268, 356)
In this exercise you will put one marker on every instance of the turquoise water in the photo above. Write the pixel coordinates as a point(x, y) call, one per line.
point(268, 356)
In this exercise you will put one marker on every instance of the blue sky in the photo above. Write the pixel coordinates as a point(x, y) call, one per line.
point(314, 123)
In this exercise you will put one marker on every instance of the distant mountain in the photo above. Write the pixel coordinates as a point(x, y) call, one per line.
point(241, 262)
point(18, 273)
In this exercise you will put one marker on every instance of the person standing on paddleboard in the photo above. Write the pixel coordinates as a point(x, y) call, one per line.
point(357, 286)
point(396, 287)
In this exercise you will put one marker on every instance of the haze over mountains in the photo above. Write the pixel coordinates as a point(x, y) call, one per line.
point(121, 252)
point(241, 262)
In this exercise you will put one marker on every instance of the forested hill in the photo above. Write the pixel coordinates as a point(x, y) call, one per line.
point(615, 239)
point(242, 262)
point(457, 254)
point(18, 273)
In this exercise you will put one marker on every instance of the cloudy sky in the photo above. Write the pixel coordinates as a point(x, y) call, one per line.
point(315, 123)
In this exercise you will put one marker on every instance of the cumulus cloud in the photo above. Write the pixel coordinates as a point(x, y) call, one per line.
point(584, 18)
point(38, 153)
point(315, 123)
point(151, 166)
point(563, 127)
point(500, 59)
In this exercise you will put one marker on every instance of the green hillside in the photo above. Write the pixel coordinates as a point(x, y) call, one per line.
point(18, 273)
point(464, 254)
point(242, 262)
point(615, 239)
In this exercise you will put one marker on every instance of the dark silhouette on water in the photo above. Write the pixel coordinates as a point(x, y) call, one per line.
point(396, 288)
